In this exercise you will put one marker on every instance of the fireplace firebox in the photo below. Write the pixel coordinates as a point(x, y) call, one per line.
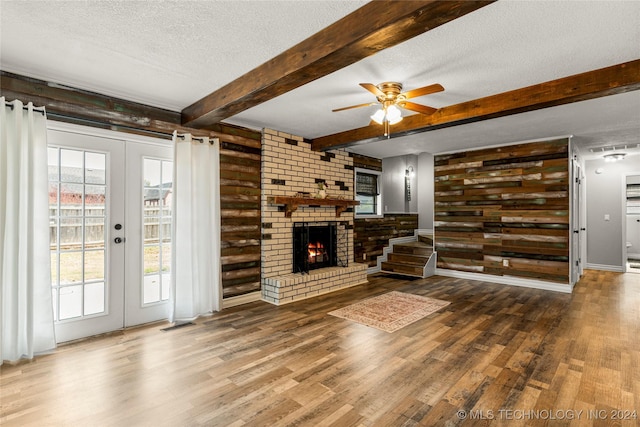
point(314, 246)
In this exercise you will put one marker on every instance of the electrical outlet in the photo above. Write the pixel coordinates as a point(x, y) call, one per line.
point(364, 257)
point(505, 263)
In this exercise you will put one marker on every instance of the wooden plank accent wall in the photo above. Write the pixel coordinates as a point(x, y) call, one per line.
point(507, 203)
point(371, 235)
point(240, 163)
point(366, 162)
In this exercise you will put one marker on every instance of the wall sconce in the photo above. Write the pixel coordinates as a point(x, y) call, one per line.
point(408, 174)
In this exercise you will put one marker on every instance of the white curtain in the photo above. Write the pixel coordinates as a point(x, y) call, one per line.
point(26, 312)
point(195, 259)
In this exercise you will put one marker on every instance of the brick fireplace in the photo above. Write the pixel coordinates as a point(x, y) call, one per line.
point(290, 168)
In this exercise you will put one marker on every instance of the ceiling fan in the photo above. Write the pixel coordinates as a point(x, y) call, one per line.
point(390, 96)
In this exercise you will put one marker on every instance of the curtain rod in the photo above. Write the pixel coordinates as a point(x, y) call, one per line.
point(105, 125)
point(198, 138)
point(64, 117)
point(24, 107)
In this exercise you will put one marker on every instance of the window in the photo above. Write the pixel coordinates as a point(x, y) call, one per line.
point(368, 193)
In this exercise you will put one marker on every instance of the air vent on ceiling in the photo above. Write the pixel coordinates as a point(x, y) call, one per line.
point(611, 148)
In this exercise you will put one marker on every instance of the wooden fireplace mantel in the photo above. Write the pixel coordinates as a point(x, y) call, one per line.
point(292, 203)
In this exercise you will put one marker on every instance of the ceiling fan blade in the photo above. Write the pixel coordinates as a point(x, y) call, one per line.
point(354, 106)
point(373, 89)
point(421, 91)
point(422, 109)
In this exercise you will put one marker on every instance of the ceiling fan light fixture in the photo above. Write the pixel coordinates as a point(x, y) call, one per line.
point(379, 116)
point(390, 114)
point(393, 115)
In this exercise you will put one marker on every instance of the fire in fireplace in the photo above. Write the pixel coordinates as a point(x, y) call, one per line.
point(314, 246)
point(317, 252)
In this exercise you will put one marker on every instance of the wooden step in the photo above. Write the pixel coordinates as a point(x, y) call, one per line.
point(396, 258)
point(408, 259)
point(425, 239)
point(413, 248)
point(411, 270)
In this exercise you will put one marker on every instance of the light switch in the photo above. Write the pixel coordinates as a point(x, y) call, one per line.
point(607, 217)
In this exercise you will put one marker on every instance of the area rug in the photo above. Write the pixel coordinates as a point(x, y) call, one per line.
point(391, 311)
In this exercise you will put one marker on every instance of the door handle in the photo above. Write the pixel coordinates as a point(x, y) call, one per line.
point(118, 240)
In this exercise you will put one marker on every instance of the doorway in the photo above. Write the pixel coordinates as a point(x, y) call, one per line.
point(110, 230)
point(632, 219)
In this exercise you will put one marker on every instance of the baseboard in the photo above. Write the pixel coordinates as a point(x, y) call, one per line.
point(604, 267)
point(423, 231)
point(241, 299)
point(374, 270)
point(506, 280)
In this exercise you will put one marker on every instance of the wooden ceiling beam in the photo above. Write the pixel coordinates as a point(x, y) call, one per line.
point(607, 81)
point(68, 104)
point(373, 27)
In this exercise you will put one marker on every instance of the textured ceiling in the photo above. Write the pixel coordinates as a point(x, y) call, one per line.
point(167, 54)
point(172, 53)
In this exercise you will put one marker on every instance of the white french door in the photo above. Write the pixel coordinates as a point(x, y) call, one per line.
point(110, 235)
point(149, 168)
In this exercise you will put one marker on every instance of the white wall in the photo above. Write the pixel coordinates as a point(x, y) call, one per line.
point(393, 184)
point(606, 196)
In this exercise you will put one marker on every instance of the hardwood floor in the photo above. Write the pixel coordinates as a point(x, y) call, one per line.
point(513, 356)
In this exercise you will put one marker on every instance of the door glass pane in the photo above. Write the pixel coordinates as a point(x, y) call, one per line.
point(152, 229)
point(70, 233)
point(151, 259)
point(95, 168)
point(157, 177)
point(94, 298)
point(94, 233)
point(53, 162)
point(54, 268)
point(71, 165)
point(77, 209)
point(166, 229)
point(53, 232)
point(94, 198)
point(71, 199)
point(167, 173)
point(53, 198)
point(93, 265)
point(166, 257)
point(70, 302)
point(151, 291)
point(70, 267)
